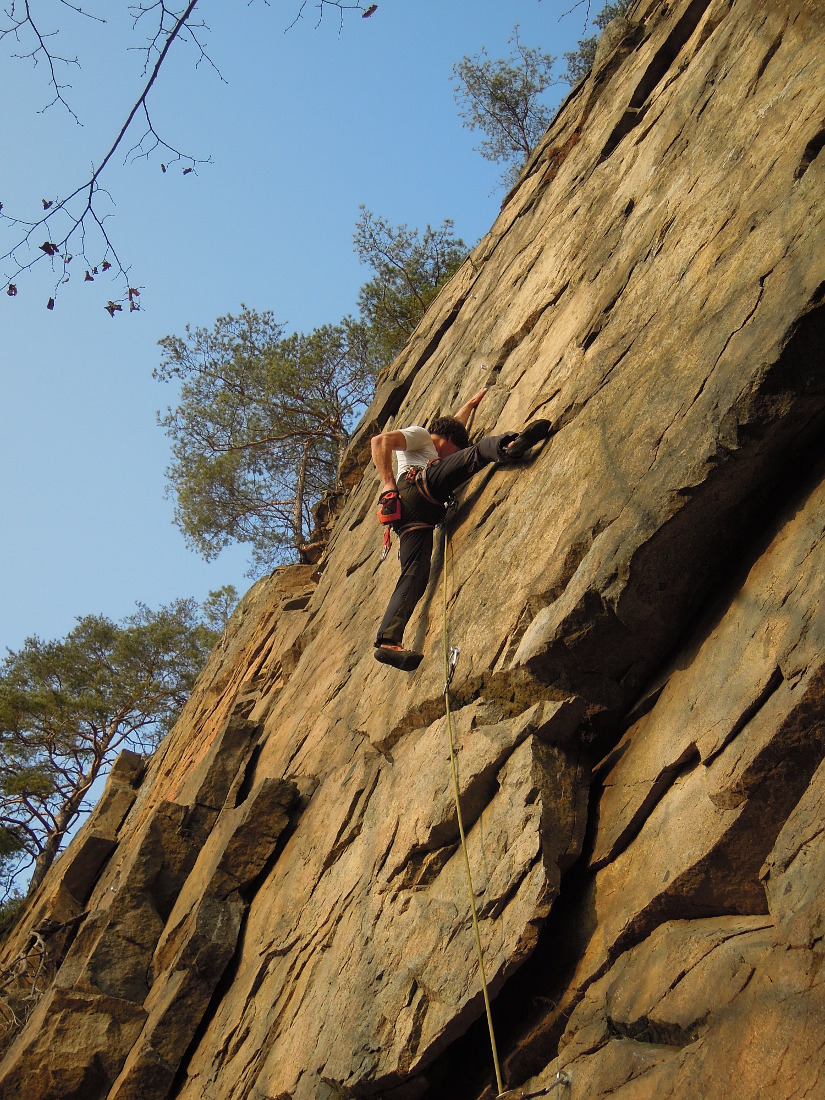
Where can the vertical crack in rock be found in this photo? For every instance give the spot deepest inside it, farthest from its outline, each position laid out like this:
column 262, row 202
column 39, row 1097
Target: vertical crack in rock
column 246, row 846
column 770, row 54
column 657, row 69
column 655, row 791
column 104, row 974
column 141, row 954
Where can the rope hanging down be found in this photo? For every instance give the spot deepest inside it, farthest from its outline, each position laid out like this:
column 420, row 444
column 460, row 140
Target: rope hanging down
column 451, row 655
column 450, row 659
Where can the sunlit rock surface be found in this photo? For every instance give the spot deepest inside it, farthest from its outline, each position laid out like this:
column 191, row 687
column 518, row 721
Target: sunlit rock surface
column 278, row 910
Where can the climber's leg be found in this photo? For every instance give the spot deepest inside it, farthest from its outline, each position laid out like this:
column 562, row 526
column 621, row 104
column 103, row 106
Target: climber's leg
column 415, row 553
column 447, row 474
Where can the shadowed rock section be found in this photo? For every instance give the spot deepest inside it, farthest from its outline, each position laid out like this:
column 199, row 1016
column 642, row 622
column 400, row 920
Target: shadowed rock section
column 277, row 908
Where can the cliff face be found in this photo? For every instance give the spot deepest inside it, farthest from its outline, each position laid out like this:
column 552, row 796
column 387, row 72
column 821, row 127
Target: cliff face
column 278, row 908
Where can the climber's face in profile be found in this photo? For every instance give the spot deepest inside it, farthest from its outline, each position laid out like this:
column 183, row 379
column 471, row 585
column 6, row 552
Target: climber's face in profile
column 443, row 446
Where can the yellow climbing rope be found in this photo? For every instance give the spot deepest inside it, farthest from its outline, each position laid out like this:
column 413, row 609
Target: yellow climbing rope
column 450, row 658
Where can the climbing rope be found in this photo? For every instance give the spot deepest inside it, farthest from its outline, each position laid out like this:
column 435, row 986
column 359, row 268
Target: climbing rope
column 451, row 655
column 450, row 659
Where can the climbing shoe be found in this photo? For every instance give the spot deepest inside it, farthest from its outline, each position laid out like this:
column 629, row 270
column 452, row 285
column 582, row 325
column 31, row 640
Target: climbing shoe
column 404, row 659
column 518, row 446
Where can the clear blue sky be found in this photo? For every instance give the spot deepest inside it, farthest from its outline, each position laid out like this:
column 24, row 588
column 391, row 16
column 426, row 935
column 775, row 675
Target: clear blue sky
column 301, row 128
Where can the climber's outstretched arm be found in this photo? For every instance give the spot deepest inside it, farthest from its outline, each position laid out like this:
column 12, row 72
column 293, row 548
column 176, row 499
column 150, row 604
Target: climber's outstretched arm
column 465, row 411
column 382, row 447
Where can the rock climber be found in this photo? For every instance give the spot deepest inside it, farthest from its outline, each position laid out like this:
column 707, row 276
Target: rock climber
column 432, row 463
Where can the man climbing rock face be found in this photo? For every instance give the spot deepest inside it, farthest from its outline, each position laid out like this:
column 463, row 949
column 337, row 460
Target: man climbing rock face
column 432, row 463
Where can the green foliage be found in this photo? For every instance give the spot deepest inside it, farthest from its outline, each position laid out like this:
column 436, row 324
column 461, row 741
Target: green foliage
column 10, row 842
column 260, row 427
column 409, row 268
column 218, row 606
column 580, row 61
column 34, row 781
column 501, row 98
column 67, row 707
column 263, row 418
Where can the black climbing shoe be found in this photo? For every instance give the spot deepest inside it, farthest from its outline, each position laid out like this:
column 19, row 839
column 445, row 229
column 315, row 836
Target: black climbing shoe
column 532, row 434
column 404, row 659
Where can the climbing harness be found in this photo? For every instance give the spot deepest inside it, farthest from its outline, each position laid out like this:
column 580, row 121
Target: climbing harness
column 451, row 655
column 399, row 530
column 426, row 512
column 417, row 475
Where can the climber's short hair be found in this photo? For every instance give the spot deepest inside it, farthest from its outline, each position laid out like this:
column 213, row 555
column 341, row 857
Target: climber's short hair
column 451, row 429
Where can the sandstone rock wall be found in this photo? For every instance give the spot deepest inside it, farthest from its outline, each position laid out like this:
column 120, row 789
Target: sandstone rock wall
column 279, row 910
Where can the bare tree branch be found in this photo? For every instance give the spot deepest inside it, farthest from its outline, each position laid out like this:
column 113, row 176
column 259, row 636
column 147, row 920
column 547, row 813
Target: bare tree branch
column 77, row 221
column 73, row 218
column 577, row 5
column 322, row 5
column 39, row 52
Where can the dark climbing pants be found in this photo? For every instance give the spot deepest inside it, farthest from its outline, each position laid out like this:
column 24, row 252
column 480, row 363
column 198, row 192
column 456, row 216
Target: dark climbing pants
column 444, row 476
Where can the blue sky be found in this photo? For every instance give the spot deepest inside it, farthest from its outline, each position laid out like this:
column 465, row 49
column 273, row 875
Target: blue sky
column 301, row 126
